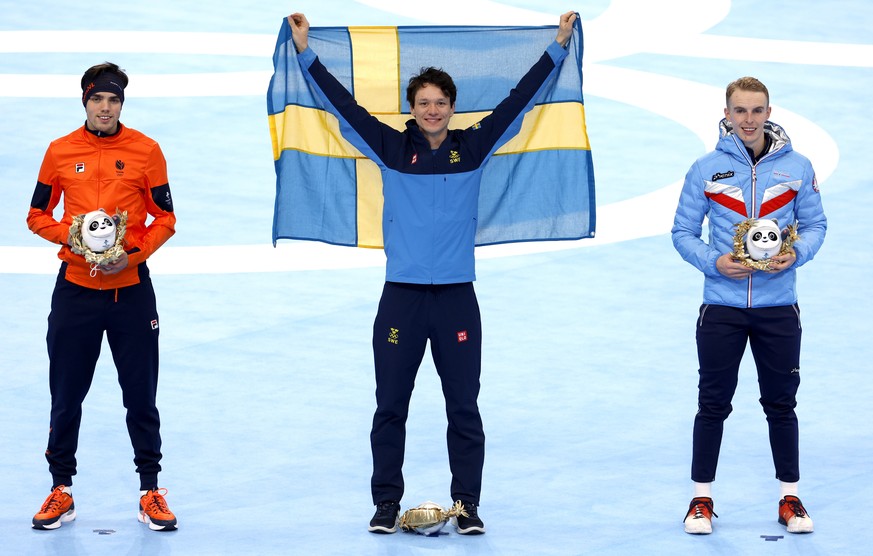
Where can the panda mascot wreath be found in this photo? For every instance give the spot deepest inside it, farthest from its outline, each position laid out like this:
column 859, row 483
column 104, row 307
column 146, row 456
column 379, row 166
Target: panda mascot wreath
column 762, row 238
column 98, row 237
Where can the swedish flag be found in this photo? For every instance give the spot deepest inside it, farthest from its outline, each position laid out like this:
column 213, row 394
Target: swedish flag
column 537, row 186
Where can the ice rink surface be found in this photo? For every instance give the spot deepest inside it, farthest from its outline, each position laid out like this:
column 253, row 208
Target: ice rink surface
column 589, row 366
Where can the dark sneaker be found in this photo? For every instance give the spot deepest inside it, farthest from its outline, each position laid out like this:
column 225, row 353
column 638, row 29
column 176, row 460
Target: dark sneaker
column 386, row 517
column 153, row 510
column 468, row 522
column 58, row 508
column 793, row 515
column 698, row 520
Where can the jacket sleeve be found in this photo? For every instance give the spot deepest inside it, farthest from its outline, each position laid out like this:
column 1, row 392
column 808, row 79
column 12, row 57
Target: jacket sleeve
column 811, row 221
column 358, row 127
column 159, row 205
column 688, row 225
column 46, row 196
column 505, row 120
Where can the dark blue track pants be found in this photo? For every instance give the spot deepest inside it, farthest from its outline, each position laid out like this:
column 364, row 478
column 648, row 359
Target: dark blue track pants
column 409, row 315
column 78, row 319
column 773, row 333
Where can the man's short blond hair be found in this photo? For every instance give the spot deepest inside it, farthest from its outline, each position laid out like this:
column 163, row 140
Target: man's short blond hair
column 746, row 84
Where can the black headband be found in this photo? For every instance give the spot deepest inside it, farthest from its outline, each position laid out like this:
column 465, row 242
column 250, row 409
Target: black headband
column 106, row 82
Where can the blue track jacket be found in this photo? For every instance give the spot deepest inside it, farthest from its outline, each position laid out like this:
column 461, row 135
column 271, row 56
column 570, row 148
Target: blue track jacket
column 431, row 198
column 727, row 188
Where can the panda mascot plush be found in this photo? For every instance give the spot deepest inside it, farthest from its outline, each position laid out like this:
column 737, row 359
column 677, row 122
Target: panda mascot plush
column 98, row 231
column 98, row 237
column 763, row 240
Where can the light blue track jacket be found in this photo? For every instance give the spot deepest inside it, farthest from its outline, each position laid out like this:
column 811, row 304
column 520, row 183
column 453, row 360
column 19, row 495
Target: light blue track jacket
column 725, row 187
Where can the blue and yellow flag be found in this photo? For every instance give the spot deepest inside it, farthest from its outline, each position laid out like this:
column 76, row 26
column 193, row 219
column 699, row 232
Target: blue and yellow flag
column 538, row 186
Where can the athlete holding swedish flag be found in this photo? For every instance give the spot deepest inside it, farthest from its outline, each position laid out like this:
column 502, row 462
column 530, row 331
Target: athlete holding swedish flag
column 431, row 176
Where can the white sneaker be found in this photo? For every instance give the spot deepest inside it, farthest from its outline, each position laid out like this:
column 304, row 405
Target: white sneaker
column 698, row 520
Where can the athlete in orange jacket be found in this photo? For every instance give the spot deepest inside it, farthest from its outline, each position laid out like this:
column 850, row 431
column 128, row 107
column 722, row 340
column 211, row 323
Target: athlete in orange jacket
column 104, row 165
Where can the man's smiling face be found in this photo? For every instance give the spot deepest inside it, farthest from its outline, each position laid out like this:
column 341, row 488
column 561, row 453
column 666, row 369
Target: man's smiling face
column 747, row 111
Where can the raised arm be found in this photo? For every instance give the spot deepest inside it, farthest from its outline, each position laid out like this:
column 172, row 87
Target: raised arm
column 505, row 120
column 357, row 125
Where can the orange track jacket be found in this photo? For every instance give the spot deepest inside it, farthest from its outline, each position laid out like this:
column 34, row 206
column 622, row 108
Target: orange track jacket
column 125, row 171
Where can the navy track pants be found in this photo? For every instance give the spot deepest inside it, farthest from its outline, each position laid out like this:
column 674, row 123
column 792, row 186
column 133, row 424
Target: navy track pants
column 773, row 333
column 78, row 319
column 409, row 315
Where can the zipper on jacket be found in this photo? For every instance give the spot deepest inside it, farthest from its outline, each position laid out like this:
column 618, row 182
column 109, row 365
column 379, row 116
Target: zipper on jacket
column 752, row 214
column 754, row 208
column 99, row 201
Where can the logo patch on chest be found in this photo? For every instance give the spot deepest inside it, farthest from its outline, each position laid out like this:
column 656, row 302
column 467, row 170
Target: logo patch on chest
column 722, row 175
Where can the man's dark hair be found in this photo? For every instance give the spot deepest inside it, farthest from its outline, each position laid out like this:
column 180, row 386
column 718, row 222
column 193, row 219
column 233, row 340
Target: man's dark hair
column 431, row 76
column 92, row 73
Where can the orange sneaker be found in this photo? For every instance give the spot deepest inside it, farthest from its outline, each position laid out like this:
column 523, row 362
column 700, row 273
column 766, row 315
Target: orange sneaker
column 698, row 520
column 154, row 511
column 793, row 515
column 58, row 508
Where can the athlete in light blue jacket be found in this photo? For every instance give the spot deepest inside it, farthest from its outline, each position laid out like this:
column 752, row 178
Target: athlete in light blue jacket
column 753, row 173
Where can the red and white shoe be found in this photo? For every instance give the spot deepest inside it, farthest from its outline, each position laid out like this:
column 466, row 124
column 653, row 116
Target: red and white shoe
column 698, row 520
column 793, row 515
